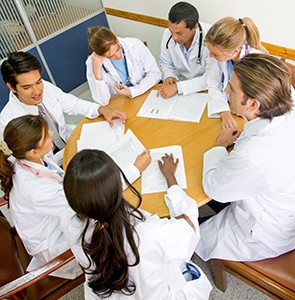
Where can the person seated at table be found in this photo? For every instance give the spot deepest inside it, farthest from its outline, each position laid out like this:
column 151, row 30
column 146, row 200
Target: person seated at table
column 118, row 66
column 255, row 177
column 184, row 58
column 30, row 94
column 228, row 40
column 155, row 251
column 34, row 187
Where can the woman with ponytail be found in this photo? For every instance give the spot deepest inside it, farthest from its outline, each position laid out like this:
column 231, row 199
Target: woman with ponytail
column 228, row 40
column 125, row 252
column 33, row 186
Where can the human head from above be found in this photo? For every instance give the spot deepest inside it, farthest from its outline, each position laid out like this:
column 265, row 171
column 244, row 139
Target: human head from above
column 21, row 72
column 183, row 19
column 26, row 137
column 104, row 42
column 227, row 36
column 93, row 188
column 260, row 86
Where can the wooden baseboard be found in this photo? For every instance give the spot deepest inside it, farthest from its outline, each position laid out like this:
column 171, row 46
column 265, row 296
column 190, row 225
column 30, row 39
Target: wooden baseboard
column 273, row 49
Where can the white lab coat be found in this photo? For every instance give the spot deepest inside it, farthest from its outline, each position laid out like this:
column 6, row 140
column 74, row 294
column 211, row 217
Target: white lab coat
column 164, row 246
column 192, row 76
column 36, row 203
column 56, row 102
column 217, row 97
column 142, row 67
column 258, row 178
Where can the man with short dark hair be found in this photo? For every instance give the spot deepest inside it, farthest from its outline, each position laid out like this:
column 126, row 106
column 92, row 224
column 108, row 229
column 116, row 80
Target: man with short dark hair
column 184, row 58
column 30, row 94
column 257, row 177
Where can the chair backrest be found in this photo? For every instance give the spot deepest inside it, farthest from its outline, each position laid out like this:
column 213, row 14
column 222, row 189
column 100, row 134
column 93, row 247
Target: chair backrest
column 14, row 260
column 10, row 264
column 273, row 276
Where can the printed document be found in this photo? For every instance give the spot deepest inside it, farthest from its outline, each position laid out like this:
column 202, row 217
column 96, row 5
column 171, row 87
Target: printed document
column 125, row 151
column 153, row 180
column 100, row 135
column 187, row 108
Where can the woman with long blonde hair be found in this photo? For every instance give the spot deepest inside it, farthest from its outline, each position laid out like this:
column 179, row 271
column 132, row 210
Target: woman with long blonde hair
column 228, row 40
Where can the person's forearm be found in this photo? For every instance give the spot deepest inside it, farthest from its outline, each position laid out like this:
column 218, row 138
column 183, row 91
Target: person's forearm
column 171, row 180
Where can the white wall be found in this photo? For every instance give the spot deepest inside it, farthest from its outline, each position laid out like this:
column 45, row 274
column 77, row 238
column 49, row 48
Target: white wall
column 275, row 19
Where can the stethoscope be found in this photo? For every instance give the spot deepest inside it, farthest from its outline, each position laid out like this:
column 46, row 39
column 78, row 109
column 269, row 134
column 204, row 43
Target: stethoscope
column 200, row 43
column 116, row 82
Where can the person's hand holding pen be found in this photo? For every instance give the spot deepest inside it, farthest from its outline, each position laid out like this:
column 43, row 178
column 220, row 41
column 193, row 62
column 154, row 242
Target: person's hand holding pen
column 122, row 89
column 168, row 168
column 97, row 65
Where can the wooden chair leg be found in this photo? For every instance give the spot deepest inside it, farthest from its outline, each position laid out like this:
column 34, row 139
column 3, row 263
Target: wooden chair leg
column 219, row 274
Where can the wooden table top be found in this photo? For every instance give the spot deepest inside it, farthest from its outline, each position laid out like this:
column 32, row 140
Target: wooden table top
column 195, row 139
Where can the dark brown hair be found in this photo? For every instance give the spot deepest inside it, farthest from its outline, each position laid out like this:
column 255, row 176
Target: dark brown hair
column 93, row 188
column 21, row 135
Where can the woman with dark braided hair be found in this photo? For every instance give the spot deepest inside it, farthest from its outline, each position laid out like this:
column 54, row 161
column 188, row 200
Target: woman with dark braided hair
column 125, row 252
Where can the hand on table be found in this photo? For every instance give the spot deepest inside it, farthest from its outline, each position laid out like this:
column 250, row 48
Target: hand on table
column 168, row 91
column 228, row 120
column 168, row 168
column 110, row 114
column 143, row 160
column 227, row 136
column 170, row 80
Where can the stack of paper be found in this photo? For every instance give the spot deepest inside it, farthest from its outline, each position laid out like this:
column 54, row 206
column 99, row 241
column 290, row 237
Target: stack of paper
column 124, row 149
column 181, row 108
column 100, row 135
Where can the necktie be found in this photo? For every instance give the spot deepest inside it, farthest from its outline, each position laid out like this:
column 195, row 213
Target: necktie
column 52, row 124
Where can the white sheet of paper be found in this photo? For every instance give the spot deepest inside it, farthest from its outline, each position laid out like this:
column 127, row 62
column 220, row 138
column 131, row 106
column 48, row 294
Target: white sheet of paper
column 125, row 151
column 100, row 135
column 187, row 108
column 156, row 107
column 153, row 180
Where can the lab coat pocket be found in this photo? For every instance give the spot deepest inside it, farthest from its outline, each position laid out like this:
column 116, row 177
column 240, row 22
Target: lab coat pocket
column 243, row 222
column 187, row 282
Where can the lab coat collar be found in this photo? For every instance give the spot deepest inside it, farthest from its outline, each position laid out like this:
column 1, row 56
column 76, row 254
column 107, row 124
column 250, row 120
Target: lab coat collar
column 258, row 125
column 56, row 173
column 178, row 51
column 28, row 109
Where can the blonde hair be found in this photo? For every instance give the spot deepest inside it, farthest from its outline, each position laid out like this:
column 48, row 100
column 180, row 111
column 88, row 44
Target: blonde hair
column 230, row 34
column 100, row 39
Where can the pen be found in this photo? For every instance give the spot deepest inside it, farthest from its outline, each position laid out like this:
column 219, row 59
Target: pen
column 222, row 78
column 116, row 83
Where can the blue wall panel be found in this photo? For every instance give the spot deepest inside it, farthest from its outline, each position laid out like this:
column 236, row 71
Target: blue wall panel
column 66, row 54
column 4, row 91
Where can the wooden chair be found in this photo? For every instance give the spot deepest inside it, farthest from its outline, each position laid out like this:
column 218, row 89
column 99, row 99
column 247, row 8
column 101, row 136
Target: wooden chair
column 274, row 276
column 15, row 284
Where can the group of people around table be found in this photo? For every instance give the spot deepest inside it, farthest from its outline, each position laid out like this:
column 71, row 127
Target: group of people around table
column 124, row 251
